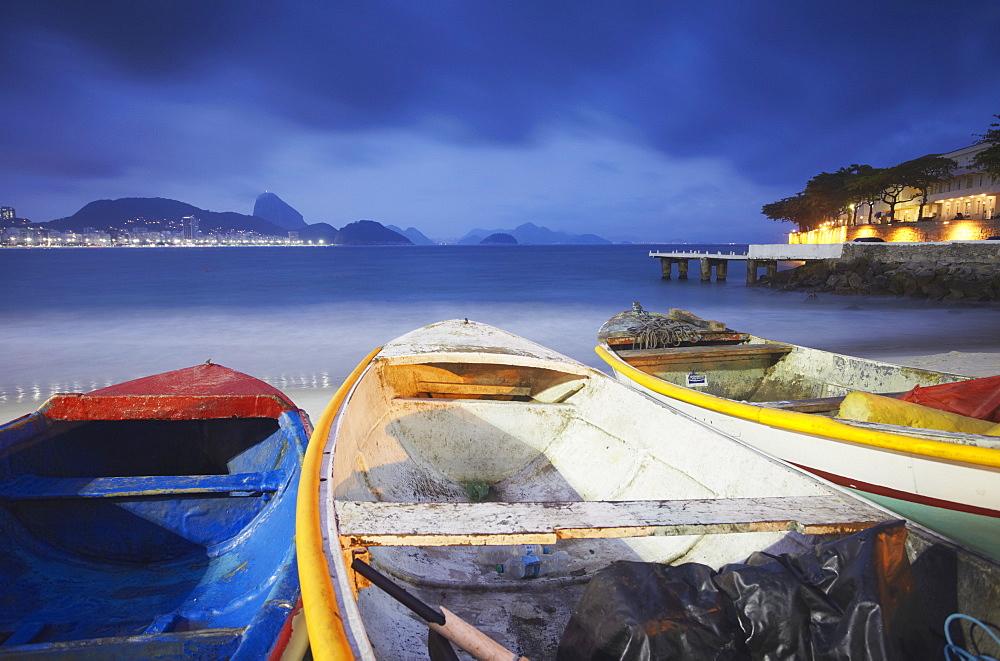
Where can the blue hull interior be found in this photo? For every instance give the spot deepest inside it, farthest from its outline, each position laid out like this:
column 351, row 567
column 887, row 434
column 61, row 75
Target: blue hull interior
column 147, row 538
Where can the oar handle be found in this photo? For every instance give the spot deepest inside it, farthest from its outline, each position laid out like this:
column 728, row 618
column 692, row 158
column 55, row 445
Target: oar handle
column 446, row 623
column 472, row 640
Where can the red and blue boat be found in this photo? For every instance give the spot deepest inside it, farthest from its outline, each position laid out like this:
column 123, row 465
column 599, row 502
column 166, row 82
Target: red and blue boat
column 153, row 519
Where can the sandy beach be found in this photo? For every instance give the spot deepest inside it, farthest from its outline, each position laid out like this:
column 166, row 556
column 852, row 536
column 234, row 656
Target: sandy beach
column 314, row 400
column 956, row 362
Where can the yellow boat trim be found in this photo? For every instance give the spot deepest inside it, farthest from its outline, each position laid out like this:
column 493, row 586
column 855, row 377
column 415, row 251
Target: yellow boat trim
column 806, row 423
column 327, row 637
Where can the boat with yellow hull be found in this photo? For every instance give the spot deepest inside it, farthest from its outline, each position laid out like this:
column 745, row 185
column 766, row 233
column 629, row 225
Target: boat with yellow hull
column 785, row 399
column 460, row 436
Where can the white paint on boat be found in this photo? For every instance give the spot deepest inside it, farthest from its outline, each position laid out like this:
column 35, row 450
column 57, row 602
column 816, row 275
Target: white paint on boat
column 561, row 446
column 938, row 485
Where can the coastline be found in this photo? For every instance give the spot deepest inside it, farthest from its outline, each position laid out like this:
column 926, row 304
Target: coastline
column 314, row 400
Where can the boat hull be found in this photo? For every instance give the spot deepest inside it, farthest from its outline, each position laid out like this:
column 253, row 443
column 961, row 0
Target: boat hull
column 152, row 519
column 935, row 490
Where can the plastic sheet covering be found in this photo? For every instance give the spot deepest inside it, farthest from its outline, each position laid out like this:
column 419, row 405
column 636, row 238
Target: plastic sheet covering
column 978, row 398
column 854, row 598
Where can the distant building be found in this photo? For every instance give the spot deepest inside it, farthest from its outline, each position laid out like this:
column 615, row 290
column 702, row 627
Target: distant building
column 971, row 193
column 190, row 230
column 968, row 195
column 23, row 236
column 7, row 213
column 962, row 208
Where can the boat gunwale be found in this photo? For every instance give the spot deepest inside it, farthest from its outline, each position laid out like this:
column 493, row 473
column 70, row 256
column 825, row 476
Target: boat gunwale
column 324, row 621
column 805, row 422
column 164, row 406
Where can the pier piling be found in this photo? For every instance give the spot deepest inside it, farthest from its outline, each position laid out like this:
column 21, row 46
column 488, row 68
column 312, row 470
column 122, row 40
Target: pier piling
column 706, row 269
column 666, row 267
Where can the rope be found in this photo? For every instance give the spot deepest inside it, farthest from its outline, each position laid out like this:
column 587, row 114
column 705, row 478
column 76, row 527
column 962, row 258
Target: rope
column 959, row 653
column 655, row 332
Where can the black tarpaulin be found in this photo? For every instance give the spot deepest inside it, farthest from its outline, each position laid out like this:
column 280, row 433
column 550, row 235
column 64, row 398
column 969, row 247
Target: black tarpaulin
column 853, row 598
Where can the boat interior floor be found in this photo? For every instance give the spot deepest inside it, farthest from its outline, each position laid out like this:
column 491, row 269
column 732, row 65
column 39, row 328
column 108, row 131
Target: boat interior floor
column 97, row 542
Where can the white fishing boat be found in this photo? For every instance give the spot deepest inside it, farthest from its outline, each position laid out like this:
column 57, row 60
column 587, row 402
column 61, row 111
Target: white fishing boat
column 793, row 403
column 458, row 436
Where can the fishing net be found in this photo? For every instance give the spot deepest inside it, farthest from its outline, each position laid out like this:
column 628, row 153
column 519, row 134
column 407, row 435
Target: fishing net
column 653, row 332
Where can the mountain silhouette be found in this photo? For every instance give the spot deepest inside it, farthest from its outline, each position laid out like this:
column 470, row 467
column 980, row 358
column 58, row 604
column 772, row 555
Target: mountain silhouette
column 156, row 211
column 319, row 232
column 529, row 233
column 369, row 233
column 414, row 235
column 272, row 208
column 499, row 239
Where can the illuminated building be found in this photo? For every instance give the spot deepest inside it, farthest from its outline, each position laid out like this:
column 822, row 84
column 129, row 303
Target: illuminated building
column 190, row 228
column 962, row 208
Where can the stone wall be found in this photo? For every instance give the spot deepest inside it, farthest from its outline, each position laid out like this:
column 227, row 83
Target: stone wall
column 924, row 230
column 937, row 271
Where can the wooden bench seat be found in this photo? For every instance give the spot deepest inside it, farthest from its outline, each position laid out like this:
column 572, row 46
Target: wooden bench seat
column 460, row 524
column 33, row 487
column 712, row 353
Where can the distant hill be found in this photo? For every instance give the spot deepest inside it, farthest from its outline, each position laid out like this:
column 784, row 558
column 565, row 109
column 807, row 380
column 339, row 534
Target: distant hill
column 529, row 233
column 368, row 233
column 158, row 212
column 414, row 235
column 499, row 239
column 319, row 232
column 272, row 208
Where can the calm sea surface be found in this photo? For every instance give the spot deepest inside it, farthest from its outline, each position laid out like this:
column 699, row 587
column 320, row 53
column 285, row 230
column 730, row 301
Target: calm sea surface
column 77, row 319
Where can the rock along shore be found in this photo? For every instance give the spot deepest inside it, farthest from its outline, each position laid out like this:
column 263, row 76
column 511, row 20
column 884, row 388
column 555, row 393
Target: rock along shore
column 949, row 272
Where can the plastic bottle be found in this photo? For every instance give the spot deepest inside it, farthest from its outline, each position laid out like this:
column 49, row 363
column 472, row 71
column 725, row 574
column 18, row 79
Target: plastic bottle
column 532, row 566
column 497, row 555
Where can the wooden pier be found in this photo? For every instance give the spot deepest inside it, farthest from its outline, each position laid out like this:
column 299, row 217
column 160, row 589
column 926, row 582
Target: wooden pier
column 760, row 256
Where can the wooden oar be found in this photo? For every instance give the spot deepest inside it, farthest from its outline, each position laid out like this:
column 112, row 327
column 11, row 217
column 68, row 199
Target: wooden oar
column 438, row 647
column 442, row 621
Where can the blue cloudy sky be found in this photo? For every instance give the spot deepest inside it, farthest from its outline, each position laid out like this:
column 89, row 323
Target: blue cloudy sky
column 650, row 120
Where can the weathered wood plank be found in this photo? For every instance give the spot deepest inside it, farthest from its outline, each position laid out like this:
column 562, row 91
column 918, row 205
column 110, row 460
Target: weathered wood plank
column 471, row 389
column 709, row 352
column 34, row 487
column 463, row 524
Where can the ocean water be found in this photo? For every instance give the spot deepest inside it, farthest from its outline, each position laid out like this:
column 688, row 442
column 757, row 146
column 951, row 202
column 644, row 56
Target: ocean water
column 301, row 318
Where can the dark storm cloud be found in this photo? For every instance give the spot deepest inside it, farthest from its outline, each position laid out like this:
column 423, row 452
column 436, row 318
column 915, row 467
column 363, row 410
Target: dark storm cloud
column 692, row 78
column 779, row 89
column 138, row 36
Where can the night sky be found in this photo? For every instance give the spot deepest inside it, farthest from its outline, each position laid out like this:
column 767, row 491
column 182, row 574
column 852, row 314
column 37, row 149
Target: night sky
column 642, row 120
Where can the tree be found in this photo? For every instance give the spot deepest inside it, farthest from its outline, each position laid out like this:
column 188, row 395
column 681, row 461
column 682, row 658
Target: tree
column 893, row 190
column 867, row 186
column 800, row 210
column 988, row 160
column 835, row 193
column 828, row 192
column 921, row 172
